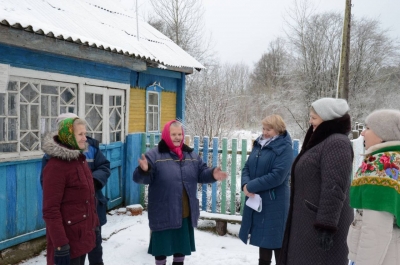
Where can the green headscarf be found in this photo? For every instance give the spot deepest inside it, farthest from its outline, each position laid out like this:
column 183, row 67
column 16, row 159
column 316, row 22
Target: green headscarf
column 66, row 133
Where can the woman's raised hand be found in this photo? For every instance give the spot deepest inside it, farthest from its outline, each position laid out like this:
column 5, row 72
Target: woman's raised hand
column 143, row 163
column 219, row 175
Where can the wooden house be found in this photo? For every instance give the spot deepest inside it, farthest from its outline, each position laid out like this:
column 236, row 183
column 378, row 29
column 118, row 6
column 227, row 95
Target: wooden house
column 92, row 58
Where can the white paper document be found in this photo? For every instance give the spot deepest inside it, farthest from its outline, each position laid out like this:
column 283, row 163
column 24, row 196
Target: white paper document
column 255, row 203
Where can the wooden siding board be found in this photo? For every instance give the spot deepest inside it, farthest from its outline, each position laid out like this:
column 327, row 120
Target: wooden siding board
column 3, row 203
column 163, row 73
column 168, row 107
column 11, row 198
column 137, row 110
column 167, row 83
column 39, row 195
column 133, row 152
column 41, row 61
column 180, row 99
column 21, row 198
column 31, row 197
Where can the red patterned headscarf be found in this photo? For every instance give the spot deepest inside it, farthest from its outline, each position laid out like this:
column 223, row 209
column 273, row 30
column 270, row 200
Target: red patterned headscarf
column 167, row 139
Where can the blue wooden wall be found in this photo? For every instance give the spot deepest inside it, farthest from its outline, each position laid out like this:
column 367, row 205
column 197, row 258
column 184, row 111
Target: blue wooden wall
column 21, row 195
column 20, row 202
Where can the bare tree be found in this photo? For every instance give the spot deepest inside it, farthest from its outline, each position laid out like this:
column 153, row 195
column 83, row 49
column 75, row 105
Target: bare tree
column 182, row 21
column 215, row 99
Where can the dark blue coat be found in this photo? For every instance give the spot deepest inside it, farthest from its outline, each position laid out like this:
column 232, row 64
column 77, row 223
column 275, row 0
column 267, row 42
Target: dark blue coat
column 100, row 167
column 266, row 173
column 167, row 176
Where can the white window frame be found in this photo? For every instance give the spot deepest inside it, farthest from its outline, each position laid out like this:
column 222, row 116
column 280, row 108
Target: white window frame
column 82, row 84
column 153, row 89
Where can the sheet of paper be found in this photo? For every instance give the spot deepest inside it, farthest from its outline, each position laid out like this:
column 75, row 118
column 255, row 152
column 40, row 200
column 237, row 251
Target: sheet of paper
column 255, row 203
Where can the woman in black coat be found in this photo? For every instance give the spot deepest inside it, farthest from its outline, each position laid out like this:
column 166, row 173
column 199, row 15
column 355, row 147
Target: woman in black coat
column 319, row 213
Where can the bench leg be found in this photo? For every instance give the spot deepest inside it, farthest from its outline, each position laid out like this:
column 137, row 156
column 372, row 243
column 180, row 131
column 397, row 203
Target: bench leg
column 221, row 227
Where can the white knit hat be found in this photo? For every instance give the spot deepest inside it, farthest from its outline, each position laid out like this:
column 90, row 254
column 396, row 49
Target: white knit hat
column 385, row 123
column 330, row 108
column 63, row 116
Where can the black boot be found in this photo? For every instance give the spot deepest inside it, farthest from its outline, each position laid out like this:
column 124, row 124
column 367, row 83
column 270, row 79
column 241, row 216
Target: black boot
column 263, row 262
column 177, row 263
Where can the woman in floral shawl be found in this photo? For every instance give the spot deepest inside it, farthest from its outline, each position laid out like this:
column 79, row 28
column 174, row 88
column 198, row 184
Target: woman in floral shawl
column 375, row 192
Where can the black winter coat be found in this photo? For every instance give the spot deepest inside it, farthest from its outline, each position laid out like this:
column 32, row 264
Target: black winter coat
column 320, row 183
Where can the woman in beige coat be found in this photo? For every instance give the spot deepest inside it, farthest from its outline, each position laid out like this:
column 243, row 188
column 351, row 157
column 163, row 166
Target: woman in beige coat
column 374, row 235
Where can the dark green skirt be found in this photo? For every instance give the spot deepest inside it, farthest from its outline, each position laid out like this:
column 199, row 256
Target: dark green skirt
column 172, row 241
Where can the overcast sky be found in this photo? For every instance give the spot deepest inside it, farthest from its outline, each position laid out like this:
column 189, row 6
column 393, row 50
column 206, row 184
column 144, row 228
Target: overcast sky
column 242, row 29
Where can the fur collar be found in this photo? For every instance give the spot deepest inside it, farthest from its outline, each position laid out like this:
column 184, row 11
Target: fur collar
column 163, row 147
column 52, row 147
column 340, row 125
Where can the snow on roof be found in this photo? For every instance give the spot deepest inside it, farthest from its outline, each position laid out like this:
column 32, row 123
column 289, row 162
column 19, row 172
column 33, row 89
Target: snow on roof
column 97, row 23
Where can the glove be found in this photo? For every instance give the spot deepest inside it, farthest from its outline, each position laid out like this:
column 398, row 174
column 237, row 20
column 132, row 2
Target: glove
column 61, row 256
column 325, row 239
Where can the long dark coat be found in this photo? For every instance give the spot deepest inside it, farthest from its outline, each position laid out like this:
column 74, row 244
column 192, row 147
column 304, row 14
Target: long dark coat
column 69, row 207
column 266, row 173
column 320, row 183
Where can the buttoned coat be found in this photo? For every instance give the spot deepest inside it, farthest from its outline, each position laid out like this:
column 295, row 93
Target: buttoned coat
column 320, row 182
column 69, row 207
column 266, row 173
column 167, row 176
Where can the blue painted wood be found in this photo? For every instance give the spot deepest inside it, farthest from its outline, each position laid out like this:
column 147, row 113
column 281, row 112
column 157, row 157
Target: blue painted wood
column 214, row 185
column 21, row 239
column 196, row 144
column 167, row 83
column 296, row 145
column 134, row 79
column 21, row 198
column 11, row 198
column 180, row 99
column 3, row 202
column 204, row 186
column 31, row 197
column 41, row 61
column 115, row 188
column 39, row 193
column 13, row 163
column 163, row 72
column 133, row 152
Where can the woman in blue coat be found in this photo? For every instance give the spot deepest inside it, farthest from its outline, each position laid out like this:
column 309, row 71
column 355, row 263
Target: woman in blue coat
column 172, row 171
column 266, row 173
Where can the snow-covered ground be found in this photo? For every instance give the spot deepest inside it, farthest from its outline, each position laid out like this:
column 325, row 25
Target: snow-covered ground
column 126, row 239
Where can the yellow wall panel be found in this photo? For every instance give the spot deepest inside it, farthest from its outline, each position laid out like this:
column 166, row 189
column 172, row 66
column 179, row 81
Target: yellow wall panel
column 137, row 110
column 168, row 108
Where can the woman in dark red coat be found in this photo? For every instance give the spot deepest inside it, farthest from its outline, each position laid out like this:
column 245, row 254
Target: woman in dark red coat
column 69, row 208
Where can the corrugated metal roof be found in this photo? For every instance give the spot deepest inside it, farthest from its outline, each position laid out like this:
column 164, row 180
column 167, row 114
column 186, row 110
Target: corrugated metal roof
column 97, row 23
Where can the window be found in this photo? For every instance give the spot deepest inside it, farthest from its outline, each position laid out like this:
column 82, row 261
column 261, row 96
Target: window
column 30, row 105
column 104, row 113
column 153, row 108
column 28, row 111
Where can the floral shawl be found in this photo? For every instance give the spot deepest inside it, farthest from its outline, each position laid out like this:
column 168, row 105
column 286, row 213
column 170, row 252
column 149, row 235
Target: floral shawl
column 376, row 184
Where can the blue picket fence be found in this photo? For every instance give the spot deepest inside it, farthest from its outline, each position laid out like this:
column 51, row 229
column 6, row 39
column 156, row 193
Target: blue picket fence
column 21, row 193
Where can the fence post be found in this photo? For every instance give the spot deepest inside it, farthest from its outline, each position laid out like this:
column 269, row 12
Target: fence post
column 204, row 186
column 214, row 185
column 243, row 161
column 223, row 165
column 143, row 150
column 296, row 145
column 233, row 176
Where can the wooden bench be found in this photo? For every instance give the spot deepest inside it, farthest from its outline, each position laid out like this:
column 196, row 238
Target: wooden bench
column 221, row 220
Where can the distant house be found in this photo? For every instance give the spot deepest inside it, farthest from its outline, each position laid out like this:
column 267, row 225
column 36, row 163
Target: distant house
column 92, row 58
